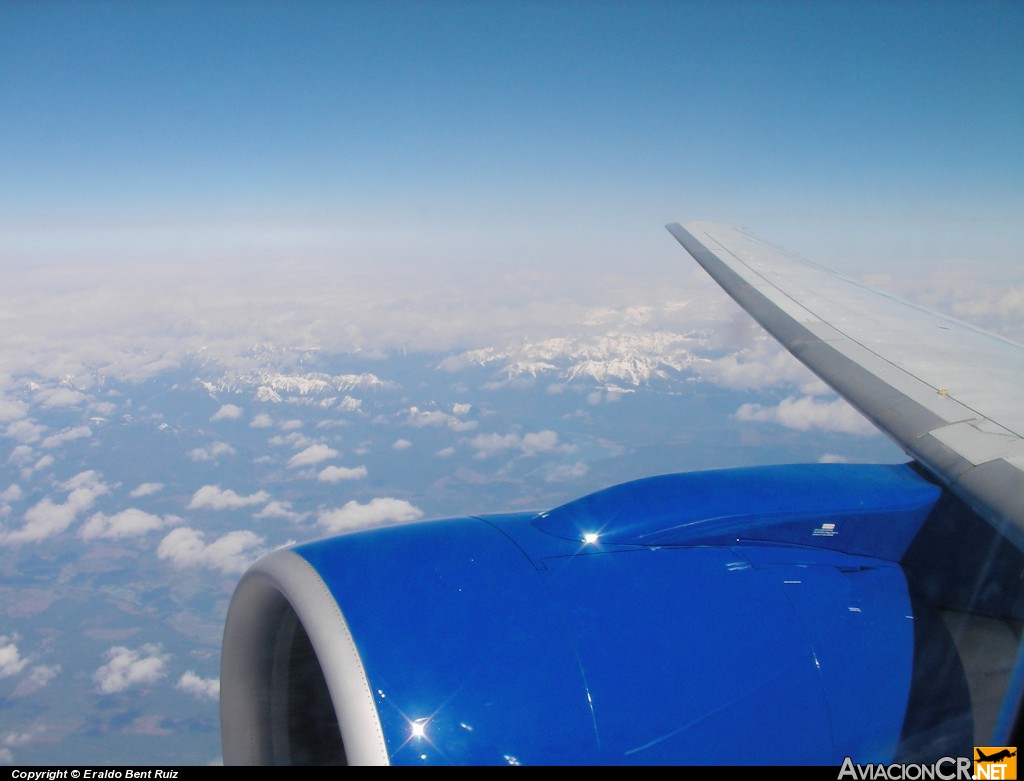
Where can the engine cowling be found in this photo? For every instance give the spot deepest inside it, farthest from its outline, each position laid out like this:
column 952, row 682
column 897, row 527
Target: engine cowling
column 728, row 617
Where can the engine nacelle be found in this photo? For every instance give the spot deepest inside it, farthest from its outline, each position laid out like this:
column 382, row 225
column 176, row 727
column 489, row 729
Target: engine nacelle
column 726, row 617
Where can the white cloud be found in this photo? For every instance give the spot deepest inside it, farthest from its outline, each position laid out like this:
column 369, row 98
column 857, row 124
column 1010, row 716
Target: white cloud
column 420, row 418
column 47, row 518
column 79, row 432
column 211, row 452
column 23, row 454
column 313, row 454
column 217, row 498
column 88, row 479
column 461, row 409
column 44, row 462
column 376, row 512
column 445, row 452
column 487, row 445
column 25, row 430
column 807, row 413
column 128, row 667
column 763, row 365
column 227, row 412
column 40, row 675
column 262, row 420
column 12, row 409
column 146, row 489
column 290, row 425
column 148, row 724
column 203, row 688
column 5, row 506
column 833, row 458
column 539, row 442
column 278, row 510
column 15, row 739
column 20, row 454
column 350, row 404
column 565, row 472
column 59, row 397
column 11, row 662
column 131, row 522
column 296, row 439
column 12, row 494
column 402, row 444
column 334, row 474
column 230, row 553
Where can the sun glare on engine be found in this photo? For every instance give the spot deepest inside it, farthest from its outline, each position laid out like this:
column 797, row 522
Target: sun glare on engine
column 418, row 728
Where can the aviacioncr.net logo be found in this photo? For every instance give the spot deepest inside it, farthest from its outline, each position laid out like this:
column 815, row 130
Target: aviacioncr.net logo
column 998, row 762
column 945, row 769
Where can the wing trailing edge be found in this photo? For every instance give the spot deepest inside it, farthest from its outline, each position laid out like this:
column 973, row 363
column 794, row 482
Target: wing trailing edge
column 947, row 393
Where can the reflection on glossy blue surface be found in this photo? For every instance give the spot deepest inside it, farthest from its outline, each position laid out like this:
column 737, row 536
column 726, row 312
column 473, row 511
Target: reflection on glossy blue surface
column 863, row 509
column 499, row 641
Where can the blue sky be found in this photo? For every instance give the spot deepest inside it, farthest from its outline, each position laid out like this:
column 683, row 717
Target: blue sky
column 509, row 133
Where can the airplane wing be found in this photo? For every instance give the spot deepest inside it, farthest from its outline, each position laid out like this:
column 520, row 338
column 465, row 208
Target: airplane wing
column 949, row 394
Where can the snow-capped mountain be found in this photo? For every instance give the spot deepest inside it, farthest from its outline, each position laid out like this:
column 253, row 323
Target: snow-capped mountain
column 632, row 358
column 311, row 387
